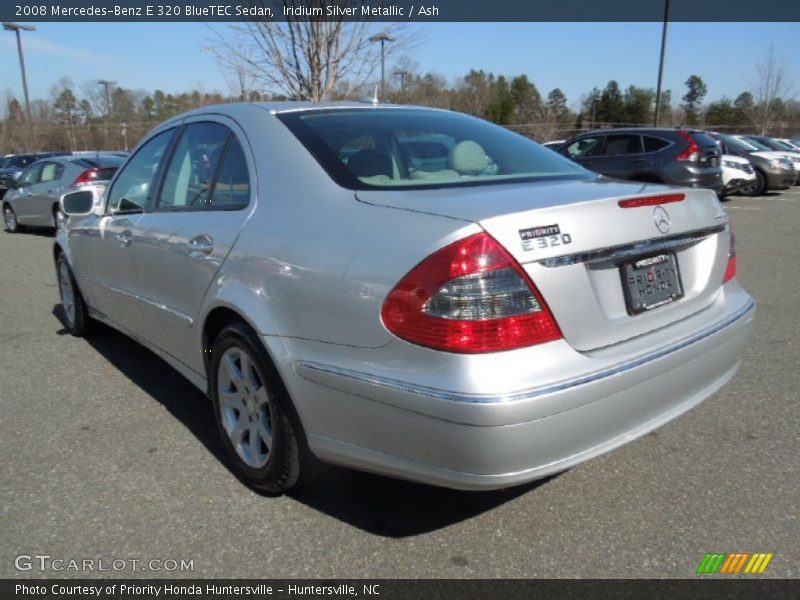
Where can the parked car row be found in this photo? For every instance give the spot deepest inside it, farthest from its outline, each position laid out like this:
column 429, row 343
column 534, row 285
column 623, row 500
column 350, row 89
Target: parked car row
column 33, row 197
column 727, row 164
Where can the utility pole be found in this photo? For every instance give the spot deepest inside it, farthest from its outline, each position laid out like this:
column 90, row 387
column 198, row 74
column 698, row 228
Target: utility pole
column 382, row 38
column 16, row 28
column 661, row 62
column 106, row 84
column 402, row 74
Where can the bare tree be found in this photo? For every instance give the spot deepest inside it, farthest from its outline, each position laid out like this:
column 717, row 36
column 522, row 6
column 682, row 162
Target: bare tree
column 304, row 57
column 772, row 84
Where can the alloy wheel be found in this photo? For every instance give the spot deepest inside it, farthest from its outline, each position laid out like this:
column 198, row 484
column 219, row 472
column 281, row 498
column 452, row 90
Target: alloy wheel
column 245, row 407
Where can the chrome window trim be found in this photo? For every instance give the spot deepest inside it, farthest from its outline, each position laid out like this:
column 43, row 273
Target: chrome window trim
column 306, row 369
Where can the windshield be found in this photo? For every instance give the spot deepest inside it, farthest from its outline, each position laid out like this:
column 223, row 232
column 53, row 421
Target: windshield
column 738, row 144
column 758, row 145
column 785, row 146
column 388, row 148
column 17, row 162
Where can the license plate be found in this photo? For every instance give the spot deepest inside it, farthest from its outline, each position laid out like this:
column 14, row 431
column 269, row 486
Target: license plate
column 651, row 282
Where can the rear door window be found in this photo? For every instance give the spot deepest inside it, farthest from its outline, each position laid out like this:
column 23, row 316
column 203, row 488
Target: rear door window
column 654, row 144
column 625, row 143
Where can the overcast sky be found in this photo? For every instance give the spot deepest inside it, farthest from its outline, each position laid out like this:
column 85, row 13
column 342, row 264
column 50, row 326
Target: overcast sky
column 572, row 56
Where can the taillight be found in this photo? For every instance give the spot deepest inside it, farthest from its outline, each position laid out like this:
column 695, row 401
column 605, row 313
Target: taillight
column 469, row 297
column 692, row 151
column 94, row 175
column 730, row 268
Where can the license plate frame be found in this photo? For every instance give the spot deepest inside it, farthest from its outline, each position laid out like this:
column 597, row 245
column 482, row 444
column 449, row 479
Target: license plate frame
column 651, row 282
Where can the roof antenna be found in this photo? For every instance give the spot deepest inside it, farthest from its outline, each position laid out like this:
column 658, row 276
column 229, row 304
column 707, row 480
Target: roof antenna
column 375, row 97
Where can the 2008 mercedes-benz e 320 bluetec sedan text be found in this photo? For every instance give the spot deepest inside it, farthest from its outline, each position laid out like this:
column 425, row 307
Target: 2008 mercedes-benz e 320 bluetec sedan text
column 408, row 291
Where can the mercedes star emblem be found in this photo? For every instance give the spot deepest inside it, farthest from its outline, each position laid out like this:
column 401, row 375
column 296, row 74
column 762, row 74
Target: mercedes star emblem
column 661, row 219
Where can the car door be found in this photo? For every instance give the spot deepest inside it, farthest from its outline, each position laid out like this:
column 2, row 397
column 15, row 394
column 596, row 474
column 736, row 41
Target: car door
column 44, row 196
column 201, row 206
column 22, row 200
column 105, row 251
column 622, row 156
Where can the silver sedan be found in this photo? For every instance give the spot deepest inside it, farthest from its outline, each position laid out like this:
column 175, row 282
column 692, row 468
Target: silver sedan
column 407, row 291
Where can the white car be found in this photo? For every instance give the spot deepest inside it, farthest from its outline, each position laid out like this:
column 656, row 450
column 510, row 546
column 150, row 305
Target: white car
column 737, row 172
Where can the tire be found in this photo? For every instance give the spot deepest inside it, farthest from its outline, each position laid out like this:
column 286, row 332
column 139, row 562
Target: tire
column 256, row 420
column 76, row 314
column 59, row 218
column 758, row 187
column 10, row 220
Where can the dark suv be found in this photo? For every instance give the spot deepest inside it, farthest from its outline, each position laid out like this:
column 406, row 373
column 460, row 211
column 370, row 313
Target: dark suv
column 675, row 156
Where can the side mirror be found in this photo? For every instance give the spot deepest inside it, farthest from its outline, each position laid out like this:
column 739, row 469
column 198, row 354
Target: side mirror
column 77, row 203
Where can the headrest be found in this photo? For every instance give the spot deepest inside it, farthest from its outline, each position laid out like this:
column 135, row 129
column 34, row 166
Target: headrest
column 468, row 157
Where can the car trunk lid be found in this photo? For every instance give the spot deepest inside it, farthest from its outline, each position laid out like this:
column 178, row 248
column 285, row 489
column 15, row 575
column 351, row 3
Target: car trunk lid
column 581, row 248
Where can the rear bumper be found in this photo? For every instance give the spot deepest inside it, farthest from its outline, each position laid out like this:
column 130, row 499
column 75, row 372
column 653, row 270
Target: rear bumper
column 411, row 430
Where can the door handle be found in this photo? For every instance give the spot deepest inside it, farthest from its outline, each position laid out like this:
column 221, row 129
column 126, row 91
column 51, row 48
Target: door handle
column 200, row 245
column 125, row 238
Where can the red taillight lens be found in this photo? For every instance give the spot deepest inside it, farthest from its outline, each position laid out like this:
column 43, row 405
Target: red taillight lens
column 469, row 297
column 94, row 175
column 730, row 269
column 692, row 151
column 651, row 200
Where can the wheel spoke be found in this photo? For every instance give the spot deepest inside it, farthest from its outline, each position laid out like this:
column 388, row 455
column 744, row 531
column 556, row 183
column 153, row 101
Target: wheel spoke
column 249, row 372
column 262, row 398
column 255, row 444
column 231, row 371
column 266, row 435
column 232, row 399
column 237, row 433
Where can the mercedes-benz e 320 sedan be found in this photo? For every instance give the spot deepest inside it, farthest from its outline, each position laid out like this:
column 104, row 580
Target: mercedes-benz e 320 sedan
column 408, row 291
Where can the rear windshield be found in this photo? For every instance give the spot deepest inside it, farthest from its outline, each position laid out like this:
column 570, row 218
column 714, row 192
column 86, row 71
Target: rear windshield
column 703, row 139
column 99, row 161
column 389, row 148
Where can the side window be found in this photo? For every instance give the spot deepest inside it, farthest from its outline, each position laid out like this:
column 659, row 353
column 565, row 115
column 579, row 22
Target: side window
column 622, row 144
column 190, row 176
column 232, row 188
column 588, row 146
column 30, row 176
column 652, row 144
column 51, row 171
column 135, row 181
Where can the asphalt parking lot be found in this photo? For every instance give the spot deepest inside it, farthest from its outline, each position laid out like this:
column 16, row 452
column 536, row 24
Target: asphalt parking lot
column 107, row 453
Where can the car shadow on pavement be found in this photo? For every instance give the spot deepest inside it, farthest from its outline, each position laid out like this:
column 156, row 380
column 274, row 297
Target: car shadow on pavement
column 375, row 504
